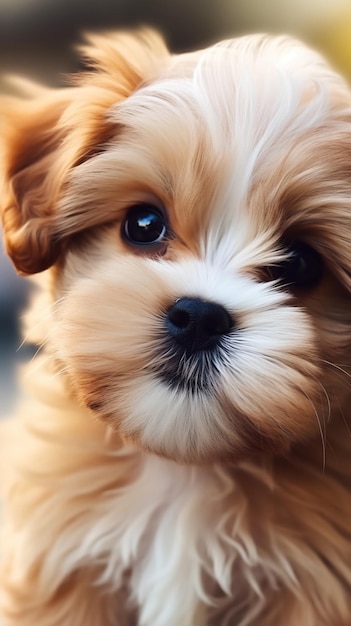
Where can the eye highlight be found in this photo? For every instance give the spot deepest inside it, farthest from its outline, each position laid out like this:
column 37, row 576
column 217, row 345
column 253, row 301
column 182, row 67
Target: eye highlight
column 302, row 269
column 144, row 225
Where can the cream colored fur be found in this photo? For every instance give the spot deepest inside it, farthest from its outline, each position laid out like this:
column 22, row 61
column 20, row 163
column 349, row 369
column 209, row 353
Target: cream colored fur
column 126, row 501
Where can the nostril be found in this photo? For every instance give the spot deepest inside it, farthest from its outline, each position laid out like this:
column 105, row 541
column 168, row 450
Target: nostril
column 216, row 322
column 197, row 324
column 179, row 317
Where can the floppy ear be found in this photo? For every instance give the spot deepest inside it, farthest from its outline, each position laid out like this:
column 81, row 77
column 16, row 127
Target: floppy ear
column 31, row 136
column 50, row 131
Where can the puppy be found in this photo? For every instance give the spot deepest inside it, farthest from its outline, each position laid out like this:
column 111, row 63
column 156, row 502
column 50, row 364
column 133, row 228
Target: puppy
column 182, row 456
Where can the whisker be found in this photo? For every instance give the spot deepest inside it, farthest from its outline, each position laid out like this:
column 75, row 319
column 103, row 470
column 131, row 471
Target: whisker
column 45, row 315
column 327, row 399
column 347, row 427
column 39, row 348
column 36, row 365
column 322, row 432
column 337, row 367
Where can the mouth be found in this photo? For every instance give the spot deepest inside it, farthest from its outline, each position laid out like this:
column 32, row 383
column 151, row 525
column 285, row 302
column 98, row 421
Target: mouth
column 194, row 373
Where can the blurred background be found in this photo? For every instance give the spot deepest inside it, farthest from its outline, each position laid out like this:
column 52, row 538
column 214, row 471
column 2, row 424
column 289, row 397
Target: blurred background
column 37, row 40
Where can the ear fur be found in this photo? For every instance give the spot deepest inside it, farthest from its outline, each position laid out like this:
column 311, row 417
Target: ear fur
column 47, row 133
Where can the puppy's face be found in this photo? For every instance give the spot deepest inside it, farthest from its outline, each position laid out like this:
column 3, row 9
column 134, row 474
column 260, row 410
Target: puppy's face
column 197, row 213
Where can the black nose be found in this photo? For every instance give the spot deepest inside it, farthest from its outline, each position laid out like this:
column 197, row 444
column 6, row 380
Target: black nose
column 197, row 324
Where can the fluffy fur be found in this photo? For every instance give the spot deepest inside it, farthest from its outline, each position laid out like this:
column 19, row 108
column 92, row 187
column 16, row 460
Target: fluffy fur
column 226, row 501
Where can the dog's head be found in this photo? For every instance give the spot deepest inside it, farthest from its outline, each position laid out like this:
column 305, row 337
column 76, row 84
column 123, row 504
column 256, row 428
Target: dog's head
column 196, row 210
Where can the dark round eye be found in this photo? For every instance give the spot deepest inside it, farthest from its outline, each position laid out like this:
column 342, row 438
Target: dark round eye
column 144, row 225
column 303, row 267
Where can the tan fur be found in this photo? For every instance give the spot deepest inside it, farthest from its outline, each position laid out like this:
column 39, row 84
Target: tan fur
column 43, row 142
column 127, row 502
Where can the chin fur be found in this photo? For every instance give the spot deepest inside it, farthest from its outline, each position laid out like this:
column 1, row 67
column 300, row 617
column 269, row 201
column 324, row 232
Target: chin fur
column 147, row 481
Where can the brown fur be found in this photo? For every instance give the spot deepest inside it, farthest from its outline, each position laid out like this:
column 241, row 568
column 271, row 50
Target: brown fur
column 127, row 502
